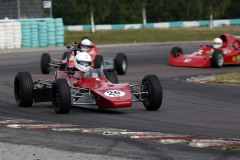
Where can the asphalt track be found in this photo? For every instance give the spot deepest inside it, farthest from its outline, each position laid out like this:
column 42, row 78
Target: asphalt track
column 209, row 110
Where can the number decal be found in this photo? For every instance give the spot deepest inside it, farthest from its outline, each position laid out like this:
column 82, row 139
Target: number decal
column 114, row 93
column 187, row 60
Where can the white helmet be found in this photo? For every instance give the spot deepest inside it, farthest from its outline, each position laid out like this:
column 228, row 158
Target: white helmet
column 86, row 44
column 83, row 61
column 217, row 42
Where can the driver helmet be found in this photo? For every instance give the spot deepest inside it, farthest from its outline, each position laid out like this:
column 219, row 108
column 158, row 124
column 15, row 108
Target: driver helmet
column 86, row 44
column 83, row 62
column 217, row 43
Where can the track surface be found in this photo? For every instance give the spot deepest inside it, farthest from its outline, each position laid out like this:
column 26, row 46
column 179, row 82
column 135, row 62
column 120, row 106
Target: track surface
column 209, row 110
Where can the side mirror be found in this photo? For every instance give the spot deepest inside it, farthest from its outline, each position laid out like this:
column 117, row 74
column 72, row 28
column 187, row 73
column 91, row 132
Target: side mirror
column 68, row 47
column 201, row 45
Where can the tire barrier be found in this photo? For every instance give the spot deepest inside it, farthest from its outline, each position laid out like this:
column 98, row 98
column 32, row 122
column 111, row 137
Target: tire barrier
column 26, row 34
column 42, row 34
column 51, row 33
column 59, row 32
column 17, row 27
column 31, row 33
column 9, row 35
column 34, row 34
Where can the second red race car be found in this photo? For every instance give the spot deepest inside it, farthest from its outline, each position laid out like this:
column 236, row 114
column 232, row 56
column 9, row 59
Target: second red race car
column 209, row 56
column 119, row 63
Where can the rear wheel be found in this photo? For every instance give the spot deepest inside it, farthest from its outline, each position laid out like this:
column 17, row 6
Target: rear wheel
column 120, row 63
column 111, row 75
column 217, row 59
column 98, row 62
column 23, row 89
column 61, row 96
column 45, row 60
column 151, row 92
column 176, row 51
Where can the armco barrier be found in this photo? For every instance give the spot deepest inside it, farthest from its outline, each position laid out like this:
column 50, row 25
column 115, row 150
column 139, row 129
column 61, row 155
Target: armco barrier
column 178, row 24
column 26, row 33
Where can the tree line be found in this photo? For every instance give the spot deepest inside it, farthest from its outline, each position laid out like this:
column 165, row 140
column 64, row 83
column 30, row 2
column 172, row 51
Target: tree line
column 78, row 12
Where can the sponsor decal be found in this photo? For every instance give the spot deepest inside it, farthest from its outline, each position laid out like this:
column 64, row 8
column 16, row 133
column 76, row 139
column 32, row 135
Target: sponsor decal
column 238, row 58
column 234, row 59
column 200, row 52
column 114, row 93
column 226, row 51
column 187, row 60
column 208, row 52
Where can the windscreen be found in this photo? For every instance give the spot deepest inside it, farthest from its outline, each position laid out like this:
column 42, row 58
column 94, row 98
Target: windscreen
column 94, row 73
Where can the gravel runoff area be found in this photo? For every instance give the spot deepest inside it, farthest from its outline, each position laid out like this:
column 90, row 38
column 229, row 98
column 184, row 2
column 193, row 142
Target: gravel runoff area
column 201, row 78
column 29, row 152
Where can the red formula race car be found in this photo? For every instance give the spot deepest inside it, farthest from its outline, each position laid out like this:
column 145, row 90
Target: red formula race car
column 91, row 89
column 119, row 63
column 207, row 56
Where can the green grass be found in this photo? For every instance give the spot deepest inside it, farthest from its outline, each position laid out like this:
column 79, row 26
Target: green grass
column 228, row 78
column 149, row 35
column 231, row 148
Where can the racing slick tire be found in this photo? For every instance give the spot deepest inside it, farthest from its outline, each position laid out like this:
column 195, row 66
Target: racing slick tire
column 45, row 60
column 98, row 62
column 111, row 75
column 64, row 56
column 151, row 92
column 176, row 51
column 120, row 63
column 217, row 59
column 23, row 89
column 61, row 96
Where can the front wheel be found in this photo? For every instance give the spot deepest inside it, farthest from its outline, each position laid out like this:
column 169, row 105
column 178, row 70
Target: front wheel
column 217, row 59
column 45, row 60
column 98, row 62
column 151, row 92
column 176, row 51
column 23, row 89
column 61, row 96
column 120, row 63
column 111, row 75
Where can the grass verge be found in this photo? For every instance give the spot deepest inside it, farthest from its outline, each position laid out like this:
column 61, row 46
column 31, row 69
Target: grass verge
column 149, row 35
column 228, row 78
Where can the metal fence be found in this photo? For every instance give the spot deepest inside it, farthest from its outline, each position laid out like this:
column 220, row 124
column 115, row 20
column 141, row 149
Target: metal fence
column 22, row 9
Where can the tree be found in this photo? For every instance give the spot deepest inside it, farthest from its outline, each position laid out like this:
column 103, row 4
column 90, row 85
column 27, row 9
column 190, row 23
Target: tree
column 76, row 12
column 73, row 12
column 124, row 11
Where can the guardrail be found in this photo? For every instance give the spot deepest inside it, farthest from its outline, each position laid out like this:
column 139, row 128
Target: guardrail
column 178, row 24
